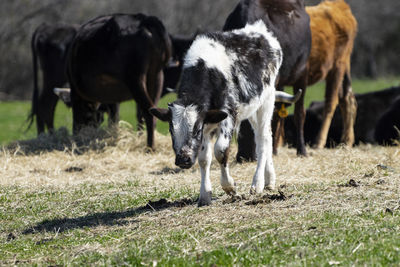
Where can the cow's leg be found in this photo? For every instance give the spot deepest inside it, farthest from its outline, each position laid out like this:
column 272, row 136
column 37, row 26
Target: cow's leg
column 84, row 113
column 333, row 83
column 154, row 92
column 139, row 117
column 278, row 132
column 265, row 172
column 277, row 125
column 113, row 114
column 150, row 126
column 205, row 157
column 141, row 95
column 300, row 116
column 246, row 144
column 348, row 108
column 221, row 151
column 45, row 109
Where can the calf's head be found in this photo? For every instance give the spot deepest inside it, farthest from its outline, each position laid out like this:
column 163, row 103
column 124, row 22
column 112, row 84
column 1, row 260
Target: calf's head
column 186, row 127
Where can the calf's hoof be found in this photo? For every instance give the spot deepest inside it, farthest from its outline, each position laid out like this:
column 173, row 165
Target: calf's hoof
column 255, row 191
column 205, row 200
column 230, row 191
column 269, row 187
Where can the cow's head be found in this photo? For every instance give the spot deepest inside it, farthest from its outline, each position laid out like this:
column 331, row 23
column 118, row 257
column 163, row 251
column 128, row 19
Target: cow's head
column 186, row 127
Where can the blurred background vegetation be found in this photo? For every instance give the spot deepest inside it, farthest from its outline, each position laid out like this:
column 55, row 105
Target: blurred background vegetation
column 376, row 52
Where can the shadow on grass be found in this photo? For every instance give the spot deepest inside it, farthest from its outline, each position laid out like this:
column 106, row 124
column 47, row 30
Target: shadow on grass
column 106, row 218
column 61, row 140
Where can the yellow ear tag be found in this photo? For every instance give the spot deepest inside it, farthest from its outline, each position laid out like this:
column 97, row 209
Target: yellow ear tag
column 283, row 113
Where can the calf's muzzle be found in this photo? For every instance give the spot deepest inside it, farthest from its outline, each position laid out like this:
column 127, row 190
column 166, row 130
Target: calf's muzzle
column 184, row 158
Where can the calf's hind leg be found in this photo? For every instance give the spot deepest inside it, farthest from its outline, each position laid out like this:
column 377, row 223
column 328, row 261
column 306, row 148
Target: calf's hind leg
column 265, row 172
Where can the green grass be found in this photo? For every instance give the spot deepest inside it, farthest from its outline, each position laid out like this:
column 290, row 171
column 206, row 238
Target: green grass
column 13, row 114
column 98, row 225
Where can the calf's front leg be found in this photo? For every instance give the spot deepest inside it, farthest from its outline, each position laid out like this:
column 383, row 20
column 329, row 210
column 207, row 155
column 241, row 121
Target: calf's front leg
column 221, row 151
column 205, row 157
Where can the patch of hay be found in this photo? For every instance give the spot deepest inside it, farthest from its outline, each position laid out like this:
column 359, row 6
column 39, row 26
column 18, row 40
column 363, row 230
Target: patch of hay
column 118, row 155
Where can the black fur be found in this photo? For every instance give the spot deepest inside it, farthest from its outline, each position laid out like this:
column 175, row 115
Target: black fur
column 116, row 58
column 49, row 45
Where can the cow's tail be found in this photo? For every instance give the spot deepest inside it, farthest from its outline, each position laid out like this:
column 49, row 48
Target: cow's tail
column 155, row 24
column 35, row 96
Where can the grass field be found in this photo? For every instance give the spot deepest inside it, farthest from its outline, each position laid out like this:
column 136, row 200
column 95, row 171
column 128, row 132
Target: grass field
column 13, row 114
column 101, row 199
column 110, row 203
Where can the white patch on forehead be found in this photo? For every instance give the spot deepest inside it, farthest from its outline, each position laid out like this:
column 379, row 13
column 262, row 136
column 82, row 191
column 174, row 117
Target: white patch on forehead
column 212, row 53
column 183, row 120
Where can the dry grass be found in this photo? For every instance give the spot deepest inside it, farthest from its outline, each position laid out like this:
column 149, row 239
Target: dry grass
column 341, row 181
column 118, row 155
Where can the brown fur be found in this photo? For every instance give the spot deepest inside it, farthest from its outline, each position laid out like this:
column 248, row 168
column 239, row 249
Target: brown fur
column 333, row 30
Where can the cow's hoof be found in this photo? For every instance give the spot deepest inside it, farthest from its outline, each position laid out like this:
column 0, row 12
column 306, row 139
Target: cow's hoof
column 302, row 153
column 149, row 150
column 205, row 200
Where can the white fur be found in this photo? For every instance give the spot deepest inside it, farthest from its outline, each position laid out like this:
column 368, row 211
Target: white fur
column 247, row 110
column 213, row 53
column 183, row 120
column 259, row 27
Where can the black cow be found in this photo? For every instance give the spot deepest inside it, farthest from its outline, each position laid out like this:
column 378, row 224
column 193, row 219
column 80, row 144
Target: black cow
column 387, row 129
column 290, row 23
column 49, row 46
column 115, row 58
column 378, row 113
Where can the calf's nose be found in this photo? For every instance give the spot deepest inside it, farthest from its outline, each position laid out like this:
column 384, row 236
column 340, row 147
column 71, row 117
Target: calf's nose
column 183, row 162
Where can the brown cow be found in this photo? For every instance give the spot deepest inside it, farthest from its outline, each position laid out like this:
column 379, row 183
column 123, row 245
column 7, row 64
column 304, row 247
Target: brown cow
column 333, row 30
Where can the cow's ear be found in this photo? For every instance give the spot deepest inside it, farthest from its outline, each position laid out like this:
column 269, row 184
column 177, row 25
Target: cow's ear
column 215, row 116
column 161, row 113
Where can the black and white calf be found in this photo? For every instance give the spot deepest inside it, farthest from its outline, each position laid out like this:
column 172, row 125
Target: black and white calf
column 227, row 77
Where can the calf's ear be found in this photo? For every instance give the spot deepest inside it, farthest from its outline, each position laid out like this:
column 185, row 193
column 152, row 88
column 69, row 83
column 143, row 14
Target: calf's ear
column 161, row 113
column 215, row 116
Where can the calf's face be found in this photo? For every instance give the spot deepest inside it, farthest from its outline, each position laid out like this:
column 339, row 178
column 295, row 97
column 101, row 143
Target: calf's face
column 186, row 127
